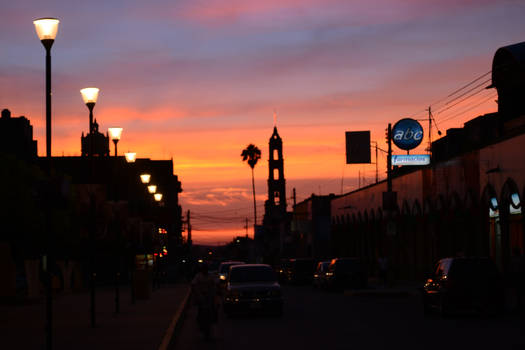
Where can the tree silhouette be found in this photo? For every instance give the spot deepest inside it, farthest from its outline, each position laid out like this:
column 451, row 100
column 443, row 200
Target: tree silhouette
column 252, row 154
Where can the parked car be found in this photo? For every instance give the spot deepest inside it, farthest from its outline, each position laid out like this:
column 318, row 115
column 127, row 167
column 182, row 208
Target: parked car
column 319, row 280
column 464, row 284
column 224, row 270
column 346, row 273
column 252, row 288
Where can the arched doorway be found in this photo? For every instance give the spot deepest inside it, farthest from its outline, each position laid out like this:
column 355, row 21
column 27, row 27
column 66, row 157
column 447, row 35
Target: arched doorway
column 511, row 221
column 491, row 207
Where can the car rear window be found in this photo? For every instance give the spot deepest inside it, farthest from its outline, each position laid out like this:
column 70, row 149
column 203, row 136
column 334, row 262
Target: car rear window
column 225, row 266
column 252, row 274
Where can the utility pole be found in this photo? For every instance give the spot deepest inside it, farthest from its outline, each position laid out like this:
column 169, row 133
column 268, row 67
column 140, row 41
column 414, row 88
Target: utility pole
column 294, row 198
column 389, row 158
column 246, row 227
column 377, row 175
column 188, row 223
column 430, row 130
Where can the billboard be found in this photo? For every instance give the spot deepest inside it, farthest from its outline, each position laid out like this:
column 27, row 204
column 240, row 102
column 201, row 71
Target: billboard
column 358, row 147
column 411, row 159
column 407, row 134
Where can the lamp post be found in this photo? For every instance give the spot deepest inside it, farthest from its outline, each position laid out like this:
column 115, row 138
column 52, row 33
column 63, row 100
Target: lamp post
column 46, row 29
column 114, row 134
column 90, row 96
column 158, row 197
column 152, row 189
column 130, row 158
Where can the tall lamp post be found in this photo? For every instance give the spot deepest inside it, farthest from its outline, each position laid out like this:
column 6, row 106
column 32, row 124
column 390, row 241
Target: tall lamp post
column 130, row 158
column 90, row 96
column 46, row 29
column 114, row 134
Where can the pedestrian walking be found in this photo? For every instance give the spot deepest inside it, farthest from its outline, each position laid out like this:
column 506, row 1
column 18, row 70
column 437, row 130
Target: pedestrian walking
column 204, row 296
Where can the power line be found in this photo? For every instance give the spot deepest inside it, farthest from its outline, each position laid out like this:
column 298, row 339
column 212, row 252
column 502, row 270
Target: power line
column 461, row 100
column 469, row 109
column 445, row 98
column 463, row 94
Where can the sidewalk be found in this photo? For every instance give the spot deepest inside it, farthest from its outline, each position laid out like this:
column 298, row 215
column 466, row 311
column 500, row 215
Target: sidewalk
column 144, row 325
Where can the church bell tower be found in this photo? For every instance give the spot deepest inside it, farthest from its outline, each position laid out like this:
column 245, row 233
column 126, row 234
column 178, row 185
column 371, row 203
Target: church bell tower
column 276, row 181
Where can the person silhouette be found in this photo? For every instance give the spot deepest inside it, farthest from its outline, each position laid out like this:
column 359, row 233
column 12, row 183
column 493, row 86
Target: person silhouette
column 203, row 293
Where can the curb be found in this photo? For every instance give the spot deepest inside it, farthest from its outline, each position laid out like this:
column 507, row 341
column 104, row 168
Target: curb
column 174, row 322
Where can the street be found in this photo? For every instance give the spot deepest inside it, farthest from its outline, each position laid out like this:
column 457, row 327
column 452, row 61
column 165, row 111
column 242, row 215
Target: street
column 316, row 319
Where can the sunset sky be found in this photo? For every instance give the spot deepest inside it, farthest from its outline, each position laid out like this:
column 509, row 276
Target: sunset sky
column 198, row 80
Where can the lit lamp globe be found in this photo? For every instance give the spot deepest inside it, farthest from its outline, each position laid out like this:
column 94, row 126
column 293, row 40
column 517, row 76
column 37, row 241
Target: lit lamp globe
column 130, row 157
column 158, row 197
column 145, row 178
column 152, row 189
column 90, row 96
column 46, row 29
column 115, row 134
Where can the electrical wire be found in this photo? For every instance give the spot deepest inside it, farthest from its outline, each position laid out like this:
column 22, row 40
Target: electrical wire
column 469, row 109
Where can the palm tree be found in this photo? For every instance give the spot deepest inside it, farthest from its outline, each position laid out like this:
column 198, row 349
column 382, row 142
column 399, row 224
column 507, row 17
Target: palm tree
column 252, row 154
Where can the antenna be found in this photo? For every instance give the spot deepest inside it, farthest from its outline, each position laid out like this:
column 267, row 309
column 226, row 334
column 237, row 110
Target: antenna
column 274, row 117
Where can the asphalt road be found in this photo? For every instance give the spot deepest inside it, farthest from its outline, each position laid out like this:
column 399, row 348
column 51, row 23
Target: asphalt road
column 321, row 320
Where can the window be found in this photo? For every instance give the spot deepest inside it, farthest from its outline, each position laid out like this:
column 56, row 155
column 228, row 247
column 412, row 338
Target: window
column 276, row 154
column 277, row 199
column 276, row 174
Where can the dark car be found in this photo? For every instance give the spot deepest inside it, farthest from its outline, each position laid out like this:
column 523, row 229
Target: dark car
column 346, row 273
column 252, row 287
column 319, row 280
column 464, row 284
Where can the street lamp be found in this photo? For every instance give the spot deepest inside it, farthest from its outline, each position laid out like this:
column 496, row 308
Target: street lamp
column 114, row 134
column 145, row 178
column 46, row 29
column 152, row 189
column 90, row 96
column 130, row 157
column 158, row 197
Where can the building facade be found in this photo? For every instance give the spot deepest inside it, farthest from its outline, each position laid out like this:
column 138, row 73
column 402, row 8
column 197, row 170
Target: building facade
column 467, row 202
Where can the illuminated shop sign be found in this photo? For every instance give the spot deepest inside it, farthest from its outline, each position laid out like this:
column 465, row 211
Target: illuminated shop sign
column 407, row 134
column 411, row 159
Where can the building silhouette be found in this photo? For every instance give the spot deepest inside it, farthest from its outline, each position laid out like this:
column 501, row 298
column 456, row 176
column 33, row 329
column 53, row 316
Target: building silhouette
column 276, row 220
column 100, row 142
column 16, row 137
column 101, row 197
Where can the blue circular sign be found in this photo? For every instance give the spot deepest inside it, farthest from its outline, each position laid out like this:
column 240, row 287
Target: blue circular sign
column 407, row 134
